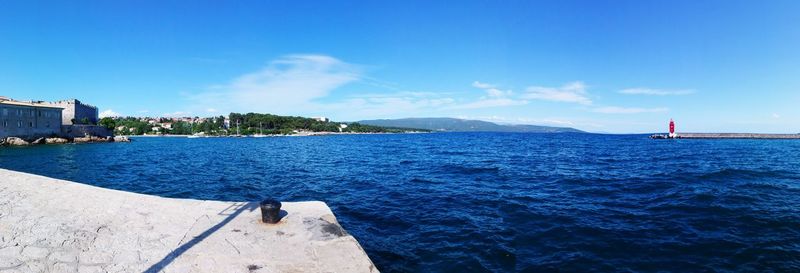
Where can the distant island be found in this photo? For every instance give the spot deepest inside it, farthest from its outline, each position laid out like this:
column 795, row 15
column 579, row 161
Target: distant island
column 240, row 124
column 464, row 125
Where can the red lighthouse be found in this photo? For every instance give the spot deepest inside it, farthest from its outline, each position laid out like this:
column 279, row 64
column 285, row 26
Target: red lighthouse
column 671, row 128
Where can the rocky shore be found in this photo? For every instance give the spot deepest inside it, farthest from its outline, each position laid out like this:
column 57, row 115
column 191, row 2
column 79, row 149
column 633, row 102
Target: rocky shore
column 17, row 141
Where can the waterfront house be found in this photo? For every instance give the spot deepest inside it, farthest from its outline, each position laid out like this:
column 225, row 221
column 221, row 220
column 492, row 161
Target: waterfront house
column 28, row 119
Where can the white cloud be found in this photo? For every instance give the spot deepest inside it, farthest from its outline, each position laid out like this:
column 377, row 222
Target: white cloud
column 574, row 92
column 494, row 98
column 655, row 92
column 628, row 110
column 285, row 86
column 497, row 93
column 109, row 113
column 491, row 90
column 212, row 110
column 481, row 85
column 776, row 115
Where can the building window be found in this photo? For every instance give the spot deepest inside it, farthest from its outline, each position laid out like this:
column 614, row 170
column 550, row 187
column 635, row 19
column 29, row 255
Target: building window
column 19, row 124
column 5, row 123
column 30, row 124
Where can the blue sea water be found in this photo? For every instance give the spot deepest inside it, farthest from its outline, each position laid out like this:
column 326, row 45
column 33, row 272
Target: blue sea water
column 489, row 202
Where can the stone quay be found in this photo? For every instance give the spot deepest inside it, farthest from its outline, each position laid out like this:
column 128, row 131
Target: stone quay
column 51, row 225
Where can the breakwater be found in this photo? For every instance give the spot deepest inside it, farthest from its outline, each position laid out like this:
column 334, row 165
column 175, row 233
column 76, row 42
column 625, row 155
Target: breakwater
column 727, row 136
column 51, row 225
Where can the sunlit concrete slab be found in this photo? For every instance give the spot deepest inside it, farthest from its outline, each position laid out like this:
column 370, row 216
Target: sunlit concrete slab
column 51, row 225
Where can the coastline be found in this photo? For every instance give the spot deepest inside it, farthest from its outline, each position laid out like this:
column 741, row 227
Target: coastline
column 292, row 135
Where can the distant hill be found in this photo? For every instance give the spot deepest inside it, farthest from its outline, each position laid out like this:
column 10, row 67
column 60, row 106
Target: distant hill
column 463, row 125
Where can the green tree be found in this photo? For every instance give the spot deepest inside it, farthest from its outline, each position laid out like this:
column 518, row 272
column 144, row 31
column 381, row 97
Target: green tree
column 109, row 123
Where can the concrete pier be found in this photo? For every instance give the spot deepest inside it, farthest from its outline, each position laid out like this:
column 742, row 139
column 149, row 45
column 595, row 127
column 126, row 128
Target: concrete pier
column 728, row 136
column 51, row 225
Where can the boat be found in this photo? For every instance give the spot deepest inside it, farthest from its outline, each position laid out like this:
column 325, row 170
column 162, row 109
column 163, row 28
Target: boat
column 261, row 131
column 193, row 135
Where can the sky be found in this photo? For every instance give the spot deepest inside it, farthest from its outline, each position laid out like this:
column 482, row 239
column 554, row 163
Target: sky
column 599, row 66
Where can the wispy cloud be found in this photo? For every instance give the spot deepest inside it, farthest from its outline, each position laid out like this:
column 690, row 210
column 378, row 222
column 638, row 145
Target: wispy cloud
column 494, row 98
column 481, row 85
column 491, row 90
column 574, row 92
column 656, row 92
column 304, row 85
column 285, row 86
column 109, row 113
column 628, row 110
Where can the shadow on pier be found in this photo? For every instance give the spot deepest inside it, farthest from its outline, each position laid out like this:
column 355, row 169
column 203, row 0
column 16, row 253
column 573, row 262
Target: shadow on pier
column 232, row 211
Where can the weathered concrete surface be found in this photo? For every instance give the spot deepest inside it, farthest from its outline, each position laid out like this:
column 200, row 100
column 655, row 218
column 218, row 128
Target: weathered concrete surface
column 50, row 225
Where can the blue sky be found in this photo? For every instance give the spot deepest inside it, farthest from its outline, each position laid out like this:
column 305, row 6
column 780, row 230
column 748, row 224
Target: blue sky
column 601, row 66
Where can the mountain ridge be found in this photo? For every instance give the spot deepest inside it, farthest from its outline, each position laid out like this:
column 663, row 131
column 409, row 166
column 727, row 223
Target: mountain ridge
column 465, row 125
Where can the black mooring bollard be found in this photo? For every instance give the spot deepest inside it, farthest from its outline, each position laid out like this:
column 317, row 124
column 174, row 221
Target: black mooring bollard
column 270, row 211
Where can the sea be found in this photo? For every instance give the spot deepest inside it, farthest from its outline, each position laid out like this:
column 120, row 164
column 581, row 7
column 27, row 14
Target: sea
column 488, row 202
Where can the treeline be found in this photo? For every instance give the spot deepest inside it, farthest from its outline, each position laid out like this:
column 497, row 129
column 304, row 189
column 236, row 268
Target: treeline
column 244, row 124
column 136, row 126
column 254, row 123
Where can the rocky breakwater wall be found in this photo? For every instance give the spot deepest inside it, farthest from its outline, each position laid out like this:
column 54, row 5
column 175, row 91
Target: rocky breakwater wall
column 18, row 141
column 726, row 136
column 50, row 225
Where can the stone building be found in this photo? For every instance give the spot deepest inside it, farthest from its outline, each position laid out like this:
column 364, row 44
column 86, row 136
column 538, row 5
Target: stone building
column 75, row 112
column 29, row 119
